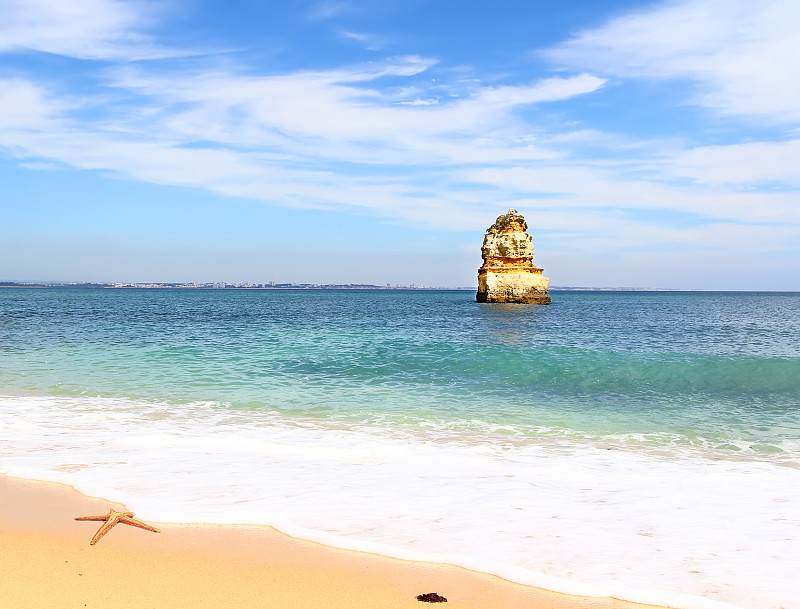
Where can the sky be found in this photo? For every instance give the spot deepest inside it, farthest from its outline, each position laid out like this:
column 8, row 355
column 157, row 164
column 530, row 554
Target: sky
column 648, row 144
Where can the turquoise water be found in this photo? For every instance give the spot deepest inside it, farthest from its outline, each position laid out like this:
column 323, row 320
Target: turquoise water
column 660, row 430
column 712, row 369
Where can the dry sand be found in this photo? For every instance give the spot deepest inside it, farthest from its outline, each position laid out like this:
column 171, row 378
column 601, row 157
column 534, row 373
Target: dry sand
column 46, row 562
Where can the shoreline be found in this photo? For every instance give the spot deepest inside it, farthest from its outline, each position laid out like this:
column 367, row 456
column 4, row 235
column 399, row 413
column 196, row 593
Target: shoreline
column 49, row 563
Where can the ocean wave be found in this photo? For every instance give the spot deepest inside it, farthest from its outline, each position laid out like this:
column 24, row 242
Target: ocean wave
column 538, row 511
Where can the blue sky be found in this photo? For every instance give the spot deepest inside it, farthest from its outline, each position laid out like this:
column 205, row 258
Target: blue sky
column 650, row 144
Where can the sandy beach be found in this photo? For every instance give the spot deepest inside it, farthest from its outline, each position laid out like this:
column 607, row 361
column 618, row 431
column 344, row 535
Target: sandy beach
column 47, row 562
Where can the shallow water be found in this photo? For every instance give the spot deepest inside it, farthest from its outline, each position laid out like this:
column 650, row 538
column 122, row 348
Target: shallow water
column 641, row 444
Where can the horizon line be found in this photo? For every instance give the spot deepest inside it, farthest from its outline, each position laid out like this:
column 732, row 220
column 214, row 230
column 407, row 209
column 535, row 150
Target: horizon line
column 224, row 285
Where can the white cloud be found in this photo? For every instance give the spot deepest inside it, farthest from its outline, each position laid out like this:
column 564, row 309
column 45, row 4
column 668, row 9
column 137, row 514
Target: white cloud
column 748, row 163
column 743, row 55
column 547, row 90
column 328, row 9
column 370, row 41
column 574, row 186
column 24, row 105
column 338, row 116
column 279, row 139
column 85, row 29
column 419, row 102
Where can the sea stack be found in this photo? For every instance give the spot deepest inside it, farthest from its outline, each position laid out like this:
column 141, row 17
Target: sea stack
column 508, row 273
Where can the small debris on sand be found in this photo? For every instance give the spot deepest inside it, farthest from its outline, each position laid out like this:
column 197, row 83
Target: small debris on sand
column 431, row 597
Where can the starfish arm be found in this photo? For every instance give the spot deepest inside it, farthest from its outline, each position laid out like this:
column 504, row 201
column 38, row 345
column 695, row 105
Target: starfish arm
column 112, row 518
column 102, row 517
column 109, row 524
column 138, row 523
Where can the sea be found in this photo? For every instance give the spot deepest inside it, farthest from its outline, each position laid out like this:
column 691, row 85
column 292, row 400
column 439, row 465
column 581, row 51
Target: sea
column 640, row 445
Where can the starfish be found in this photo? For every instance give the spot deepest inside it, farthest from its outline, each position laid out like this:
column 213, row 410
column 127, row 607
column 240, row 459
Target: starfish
column 112, row 518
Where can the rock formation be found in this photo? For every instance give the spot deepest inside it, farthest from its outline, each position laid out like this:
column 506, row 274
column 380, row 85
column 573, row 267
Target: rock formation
column 508, row 273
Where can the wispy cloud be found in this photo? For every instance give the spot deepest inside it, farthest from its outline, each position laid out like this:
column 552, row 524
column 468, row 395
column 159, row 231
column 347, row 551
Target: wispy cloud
column 321, row 139
column 328, row 9
column 742, row 55
column 547, row 90
column 371, row 42
column 26, row 106
column 595, row 187
column 337, row 116
column 88, row 29
column 419, row 102
column 752, row 163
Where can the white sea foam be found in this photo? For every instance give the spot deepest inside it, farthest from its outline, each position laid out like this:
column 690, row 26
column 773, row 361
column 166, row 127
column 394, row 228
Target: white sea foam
column 678, row 530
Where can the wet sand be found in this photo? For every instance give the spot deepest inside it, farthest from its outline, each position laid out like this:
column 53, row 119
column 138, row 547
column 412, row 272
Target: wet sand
column 47, row 562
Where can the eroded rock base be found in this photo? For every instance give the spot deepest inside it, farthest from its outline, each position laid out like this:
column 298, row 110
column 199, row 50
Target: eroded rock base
column 522, row 288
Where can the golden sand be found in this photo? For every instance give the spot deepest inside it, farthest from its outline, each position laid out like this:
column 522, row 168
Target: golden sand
column 46, row 562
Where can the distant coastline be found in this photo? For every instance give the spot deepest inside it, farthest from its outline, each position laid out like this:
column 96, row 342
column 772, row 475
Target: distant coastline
column 222, row 285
